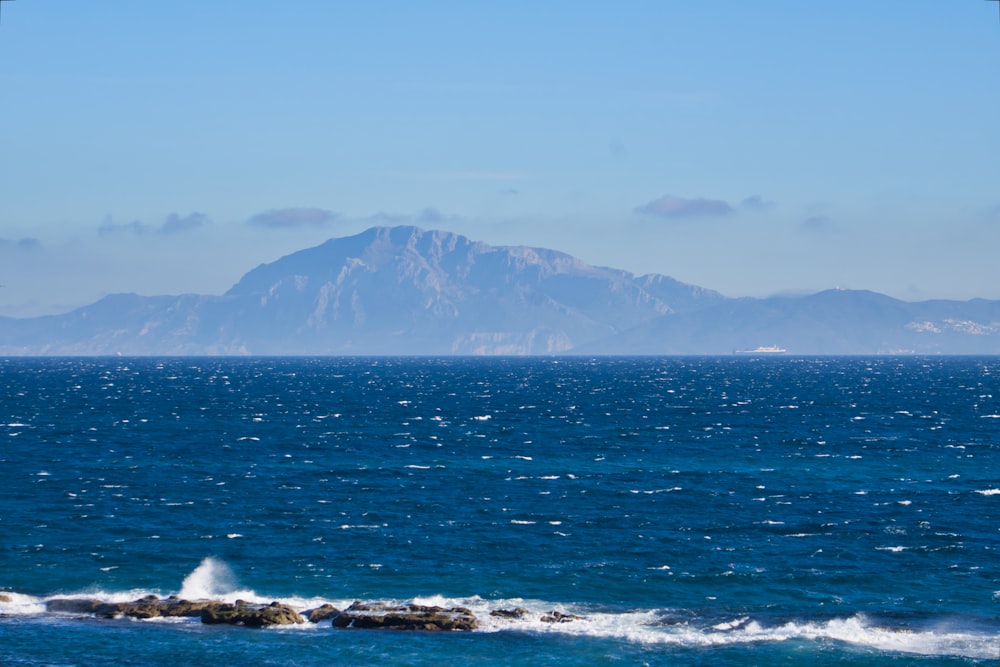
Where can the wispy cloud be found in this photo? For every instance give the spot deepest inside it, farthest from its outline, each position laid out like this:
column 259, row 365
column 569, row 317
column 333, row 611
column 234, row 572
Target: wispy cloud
column 109, row 226
column 817, row 222
column 427, row 216
column 173, row 224
column 293, row 218
column 176, row 223
column 26, row 243
column 431, row 215
column 669, row 206
column 756, row 203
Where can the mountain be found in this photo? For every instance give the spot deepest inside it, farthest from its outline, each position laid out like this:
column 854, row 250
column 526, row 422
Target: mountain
column 406, row 291
column 828, row 322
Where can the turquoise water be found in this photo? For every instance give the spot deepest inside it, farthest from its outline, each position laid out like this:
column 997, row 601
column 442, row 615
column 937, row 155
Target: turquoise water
column 725, row 511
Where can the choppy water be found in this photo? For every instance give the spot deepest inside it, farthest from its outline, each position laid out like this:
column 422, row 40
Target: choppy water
column 725, row 511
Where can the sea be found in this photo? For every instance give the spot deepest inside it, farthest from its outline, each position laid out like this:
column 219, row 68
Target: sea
column 744, row 510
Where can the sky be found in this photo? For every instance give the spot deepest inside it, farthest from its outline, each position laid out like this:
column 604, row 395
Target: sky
column 754, row 148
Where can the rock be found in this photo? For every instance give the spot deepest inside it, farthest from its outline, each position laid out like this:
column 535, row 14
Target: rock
column 408, row 617
column 275, row 613
column 153, row 607
column 210, row 611
column 516, row 612
column 358, row 615
column 185, row 608
column 137, row 609
column 5, row 598
column 250, row 615
column 147, row 607
column 559, row 617
column 218, row 613
column 72, row 606
column 358, row 605
column 327, row 611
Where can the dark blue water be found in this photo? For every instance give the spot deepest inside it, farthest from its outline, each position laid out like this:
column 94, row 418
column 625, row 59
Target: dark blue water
column 726, row 511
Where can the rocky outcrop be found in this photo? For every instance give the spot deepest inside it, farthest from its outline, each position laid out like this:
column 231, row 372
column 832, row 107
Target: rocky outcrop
column 153, row 607
column 323, row 613
column 360, row 615
column 559, row 617
column 251, row 615
column 147, row 607
column 515, row 613
column 72, row 606
column 519, row 613
column 408, row 617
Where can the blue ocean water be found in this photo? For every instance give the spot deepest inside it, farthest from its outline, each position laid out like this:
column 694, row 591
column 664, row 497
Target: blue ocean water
column 724, row 511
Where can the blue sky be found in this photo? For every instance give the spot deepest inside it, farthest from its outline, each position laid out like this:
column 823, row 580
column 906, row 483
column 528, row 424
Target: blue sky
column 749, row 147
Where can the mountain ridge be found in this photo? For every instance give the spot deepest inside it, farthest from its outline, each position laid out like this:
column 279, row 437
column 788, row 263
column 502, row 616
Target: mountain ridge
column 406, row 291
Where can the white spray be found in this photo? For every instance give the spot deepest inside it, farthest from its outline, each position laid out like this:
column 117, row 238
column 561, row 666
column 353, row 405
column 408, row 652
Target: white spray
column 211, row 580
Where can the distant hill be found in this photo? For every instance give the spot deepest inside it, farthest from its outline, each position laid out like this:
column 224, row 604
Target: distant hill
column 406, row 291
column 829, row 322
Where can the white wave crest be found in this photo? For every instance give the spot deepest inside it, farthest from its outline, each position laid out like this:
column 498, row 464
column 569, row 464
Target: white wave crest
column 637, row 627
column 647, row 627
column 212, row 580
column 18, row 604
